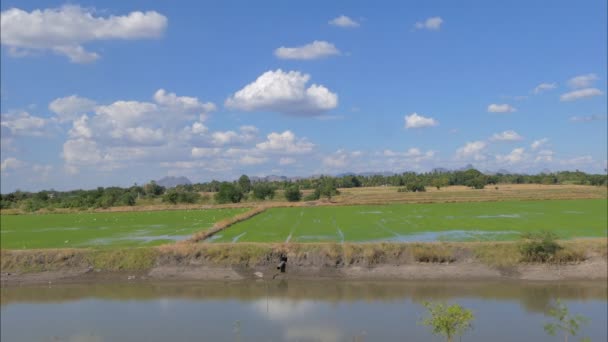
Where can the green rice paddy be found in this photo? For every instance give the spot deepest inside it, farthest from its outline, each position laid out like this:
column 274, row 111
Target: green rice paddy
column 106, row 229
column 476, row 221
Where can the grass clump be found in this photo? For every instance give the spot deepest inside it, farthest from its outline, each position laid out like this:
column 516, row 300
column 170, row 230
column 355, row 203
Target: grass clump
column 432, row 253
column 132, row 259
column 539, row 247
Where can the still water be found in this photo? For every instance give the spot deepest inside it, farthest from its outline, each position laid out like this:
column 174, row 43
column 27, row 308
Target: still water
column 290, row 310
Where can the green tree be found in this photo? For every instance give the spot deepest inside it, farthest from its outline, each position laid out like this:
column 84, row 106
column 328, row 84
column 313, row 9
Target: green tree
column 293, row 193
column 245, row 183
column 228, row 193
column 564, row 322
column 171, row 196
column 450, row 321
column 440, row 182
column 326, row 188
column 263, row 191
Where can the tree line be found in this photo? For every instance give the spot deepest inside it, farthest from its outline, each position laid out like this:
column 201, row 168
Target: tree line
column 245, row 189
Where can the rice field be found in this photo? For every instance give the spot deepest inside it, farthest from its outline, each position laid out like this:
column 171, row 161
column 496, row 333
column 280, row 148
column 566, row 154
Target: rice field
column 106, row 229
column 478, row 221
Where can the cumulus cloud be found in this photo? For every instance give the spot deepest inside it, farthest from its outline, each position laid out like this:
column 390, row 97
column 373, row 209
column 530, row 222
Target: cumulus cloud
column 516, row 156
column 418, row 121
column 472, row 150
column 544, row 87
column 71, row 107
column 23, row 123
column 11, row 163
column 582, row 81
column 252, row 160
column 63, row 30
column 544, row 156
column 501, row 108
column 126, row 131
column 201, row 152
column 580, row 94
column 285, row 142
column 283, row 92
column 538, row 143
column 432, row 24
column 245, row 134
column 588, row 118
column 314, row 50
column 509, row 135
column 344, row 21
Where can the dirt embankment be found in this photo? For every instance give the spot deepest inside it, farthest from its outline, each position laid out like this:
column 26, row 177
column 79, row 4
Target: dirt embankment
column 580, row 260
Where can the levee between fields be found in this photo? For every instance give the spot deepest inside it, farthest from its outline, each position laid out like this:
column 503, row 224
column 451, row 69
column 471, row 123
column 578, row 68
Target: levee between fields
column 582, row 259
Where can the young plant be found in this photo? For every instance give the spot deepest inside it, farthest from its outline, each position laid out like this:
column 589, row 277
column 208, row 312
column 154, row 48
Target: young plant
column 449, row 321
column 563, row 322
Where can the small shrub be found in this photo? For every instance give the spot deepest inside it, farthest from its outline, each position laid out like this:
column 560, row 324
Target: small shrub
column 539, row 247
column 293, row 193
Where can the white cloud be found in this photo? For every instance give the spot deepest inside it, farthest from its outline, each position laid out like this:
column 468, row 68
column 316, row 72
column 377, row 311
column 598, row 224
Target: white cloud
column 63, row 30
column 71, row 107
column 509, row 135
column 247, row 134
column 23, row 123
column 286, row 161
column 580, row 94
column 544, row 87
column 285, row 142
column 183, row 103
column 538, row 143
column 80, row 128
column 516, row 156
column 338, row 159
column 343, row 21
column 501, row 108
column 418, row 121
column 11, row 163
column 433, row 24
column 252, row 160
column 314, row 50
column 200, row 152
column 577, row 161
column 544, row 156
column 588, row 118
column 78, row 152
column 472, row 150
column 582, row 81
column 283, row 92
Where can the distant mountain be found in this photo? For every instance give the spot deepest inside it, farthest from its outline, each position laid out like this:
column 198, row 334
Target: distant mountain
column 270, row 178
column 171, row 182
column 467, row 167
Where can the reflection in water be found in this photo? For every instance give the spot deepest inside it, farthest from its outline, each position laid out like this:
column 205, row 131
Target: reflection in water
column 283, row 310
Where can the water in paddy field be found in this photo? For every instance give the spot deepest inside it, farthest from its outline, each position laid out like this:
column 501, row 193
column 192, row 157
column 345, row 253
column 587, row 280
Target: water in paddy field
column 290, row 310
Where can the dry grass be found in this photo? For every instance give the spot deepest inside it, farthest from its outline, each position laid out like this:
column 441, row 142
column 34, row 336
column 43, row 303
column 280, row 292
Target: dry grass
column 385, row 195
column 223, row 224
column 249, row 255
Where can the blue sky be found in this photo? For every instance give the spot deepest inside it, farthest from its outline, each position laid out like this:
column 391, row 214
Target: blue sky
column 113, row 93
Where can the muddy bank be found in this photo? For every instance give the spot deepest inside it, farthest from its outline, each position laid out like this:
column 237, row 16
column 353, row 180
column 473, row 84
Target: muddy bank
column 579, row 260
column 459, row 271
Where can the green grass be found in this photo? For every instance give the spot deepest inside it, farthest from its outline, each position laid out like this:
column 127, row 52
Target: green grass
column 479, row 221
column 117, row 229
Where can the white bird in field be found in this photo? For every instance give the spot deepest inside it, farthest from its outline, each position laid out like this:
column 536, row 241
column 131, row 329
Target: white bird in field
column 259, row 274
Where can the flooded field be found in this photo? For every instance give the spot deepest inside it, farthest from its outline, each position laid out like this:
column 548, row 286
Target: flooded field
column 289, row 310
column 106, row 229
column 479, row 221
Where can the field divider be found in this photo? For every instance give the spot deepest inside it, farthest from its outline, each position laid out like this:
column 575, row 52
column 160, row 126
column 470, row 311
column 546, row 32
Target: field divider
column 223, row 224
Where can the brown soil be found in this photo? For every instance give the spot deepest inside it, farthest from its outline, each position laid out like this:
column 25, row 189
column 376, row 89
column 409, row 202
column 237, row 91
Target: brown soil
column 593, row 269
